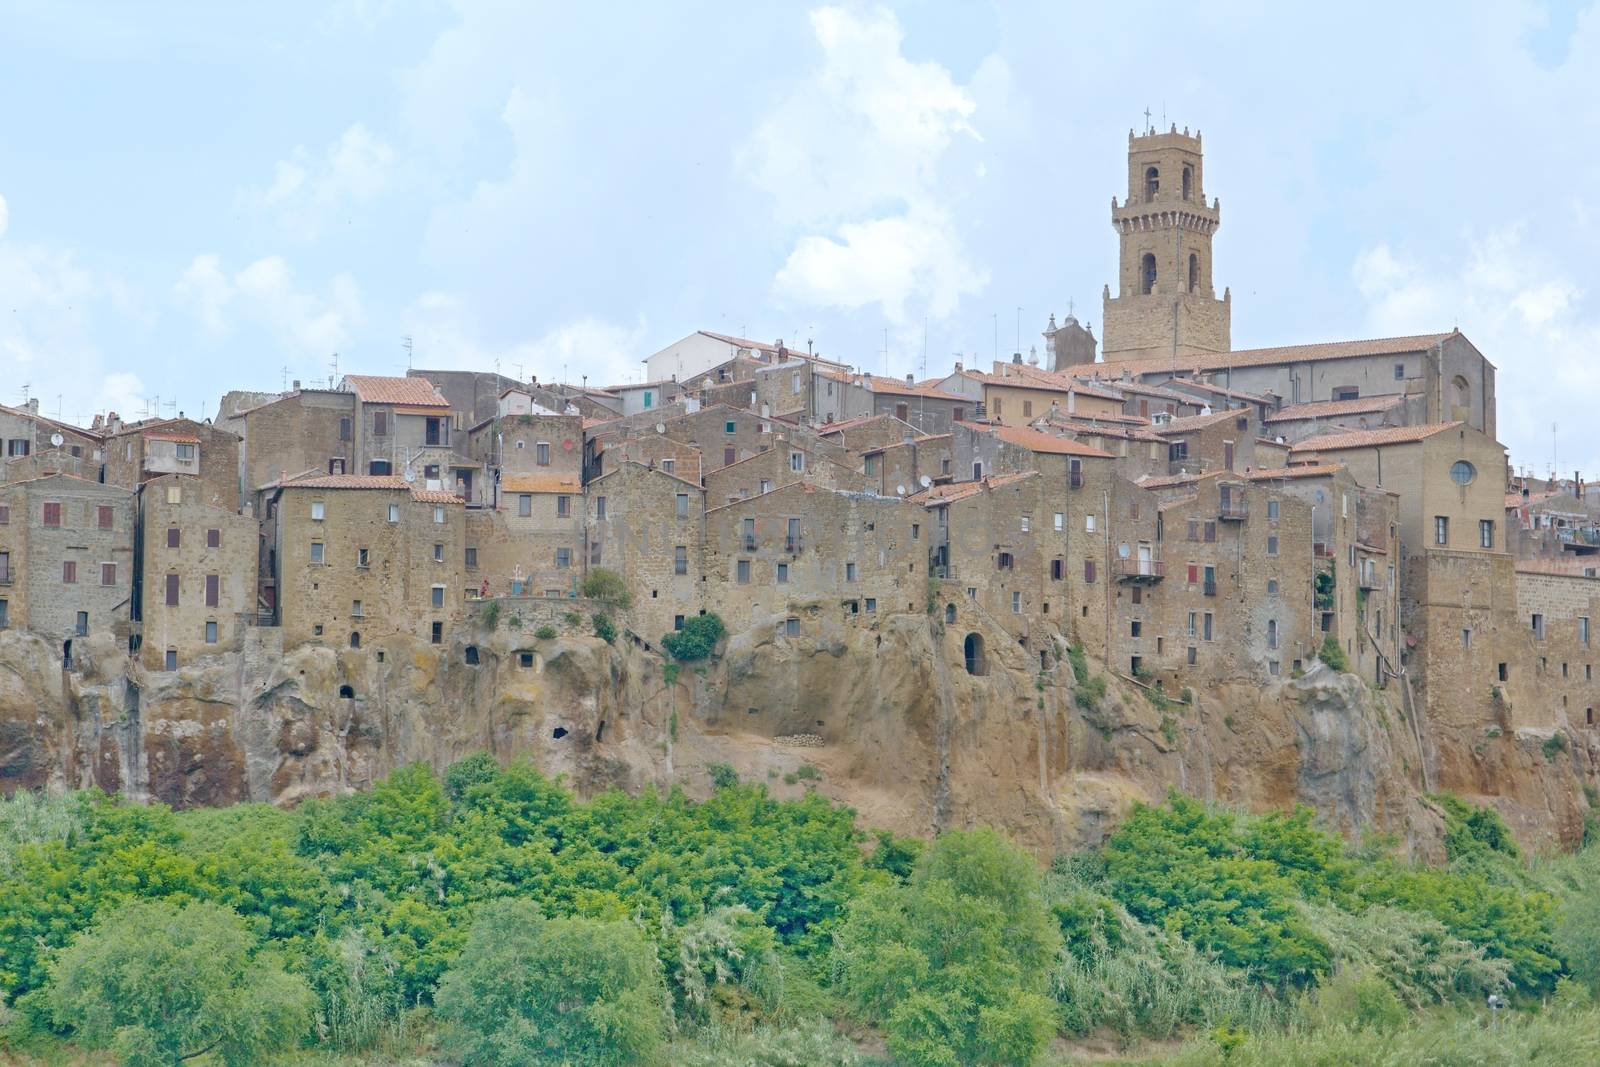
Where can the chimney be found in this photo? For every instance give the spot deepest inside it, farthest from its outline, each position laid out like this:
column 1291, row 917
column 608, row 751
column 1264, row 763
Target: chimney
column 1016, row 357
column 297, row 385
column 33, row 405
column 909, row 381
column 958, row 366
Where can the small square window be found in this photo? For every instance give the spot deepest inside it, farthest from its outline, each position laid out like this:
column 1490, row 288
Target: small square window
column 394, row 512
column 211, row 632
column 316, row 553
column 213, row 538
column 791, row 627
column 317, row 511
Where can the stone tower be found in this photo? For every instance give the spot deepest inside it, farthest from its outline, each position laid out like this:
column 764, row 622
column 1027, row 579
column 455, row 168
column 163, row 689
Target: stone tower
column 1165, row 304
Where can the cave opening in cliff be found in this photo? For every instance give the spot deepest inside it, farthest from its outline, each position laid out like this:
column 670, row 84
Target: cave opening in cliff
column 347, row 692
column 600, row 731
column 973, row 650
column 559, row 732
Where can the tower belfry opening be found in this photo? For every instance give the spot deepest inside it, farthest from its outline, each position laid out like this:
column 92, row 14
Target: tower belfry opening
column 1165, row 304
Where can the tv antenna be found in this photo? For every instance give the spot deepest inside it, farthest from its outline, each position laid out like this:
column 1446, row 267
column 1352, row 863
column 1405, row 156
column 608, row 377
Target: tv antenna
column 333, row 379
column 406, row 343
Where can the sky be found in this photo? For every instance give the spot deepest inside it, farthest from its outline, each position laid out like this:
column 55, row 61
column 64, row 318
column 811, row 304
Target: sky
column 200, row 197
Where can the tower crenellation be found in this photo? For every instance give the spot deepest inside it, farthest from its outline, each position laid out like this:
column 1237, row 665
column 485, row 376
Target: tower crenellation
column 1165, row 301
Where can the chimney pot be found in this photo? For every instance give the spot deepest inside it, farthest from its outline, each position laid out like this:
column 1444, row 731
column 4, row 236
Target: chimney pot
column 297, row 385
column 910, row 380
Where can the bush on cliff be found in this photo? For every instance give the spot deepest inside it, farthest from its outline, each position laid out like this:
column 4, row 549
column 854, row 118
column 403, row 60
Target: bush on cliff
column 698, row 638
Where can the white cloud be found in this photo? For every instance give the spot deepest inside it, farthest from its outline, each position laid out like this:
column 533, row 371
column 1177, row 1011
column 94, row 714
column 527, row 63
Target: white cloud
column 1523, row 313
column 121, row 392
column 308, row 194
column 446, row 333
column 858, row 151
column 264, row 295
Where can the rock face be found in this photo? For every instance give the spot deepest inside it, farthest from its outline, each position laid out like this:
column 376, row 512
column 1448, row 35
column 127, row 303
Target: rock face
column 883, row 716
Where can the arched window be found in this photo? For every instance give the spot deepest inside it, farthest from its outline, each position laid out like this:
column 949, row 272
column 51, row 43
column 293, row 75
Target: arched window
column 972, row 649
column 1188, row 181
column 1194, row 272
column 355, row 639
column 949, row 613
column 1152, row 183
column 1147, row 274
column 1463, row 392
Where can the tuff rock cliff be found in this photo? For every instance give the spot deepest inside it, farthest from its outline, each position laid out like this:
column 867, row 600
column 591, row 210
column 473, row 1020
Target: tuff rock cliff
column 883, row 716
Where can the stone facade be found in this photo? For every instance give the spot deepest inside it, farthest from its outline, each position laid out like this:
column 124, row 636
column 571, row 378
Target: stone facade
column 181, row 446
column 68, row 548
column 790, row 461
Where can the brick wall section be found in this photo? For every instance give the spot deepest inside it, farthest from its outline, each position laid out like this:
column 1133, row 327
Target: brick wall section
column 230, row 564
column 642, row 526
column 775, row 468
column 299, row 433
column 39, row 597
column 707, row 430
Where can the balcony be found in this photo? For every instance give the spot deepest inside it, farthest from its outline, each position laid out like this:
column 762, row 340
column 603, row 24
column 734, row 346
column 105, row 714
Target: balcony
column 749, row 542
column 1233, row 511
column 1209, row 588
column 1139, row 570
column 1580, row 539
column 792, row 545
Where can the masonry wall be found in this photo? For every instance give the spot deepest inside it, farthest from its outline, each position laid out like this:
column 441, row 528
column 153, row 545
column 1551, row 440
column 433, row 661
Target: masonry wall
column 1567, row 692
column 296, row 434
column 642, row 526
column 230, row 563
column 776, row 467
column 52, row 603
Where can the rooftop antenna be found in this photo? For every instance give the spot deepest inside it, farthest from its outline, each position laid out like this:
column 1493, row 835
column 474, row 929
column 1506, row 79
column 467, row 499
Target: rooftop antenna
column 886, row 351
column 1070, row 306
column 1019, row 329
column 809, row 350
column 406, row 343
column 58, row 405
column 25, row 387
column 996, row 317
column 333, row 379
column 285, row 378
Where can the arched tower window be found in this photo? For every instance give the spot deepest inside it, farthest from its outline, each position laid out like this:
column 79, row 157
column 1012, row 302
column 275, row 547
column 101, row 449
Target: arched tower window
column 1194, row 272
column 355, row 639
column 972, row 652
column 1188, row 181
column 1147, row 274
column 1152, row 183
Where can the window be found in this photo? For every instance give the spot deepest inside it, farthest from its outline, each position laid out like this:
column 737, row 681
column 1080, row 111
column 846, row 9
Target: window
column 1088, row 571
column 1025, row 522
column 649, row 399
column 1016, row 602
column 1136, row 628
column 171, row 659
column 1060, row 522
column 356, row 610
column 1003, row 561
column 1462, row 472
column 1347, row 392
column 69, row 572
column 5, row 514
column 363, row 558
column 394, row 512
column 1211, row 531
column 743, row 572
column 797, row 461
column 563, row 558
column 438, row 552
column 108, row 573
column 211, row 631
column 680, row 559
column 316, row 553
column 379, row 466
column 174, row 538
column 1191, row 629
column 729, row 456
column 1583, row 630
column 172, row 590
column 1441, row 530
column 849, row 572
column 436, row 633
column 102, row 516
column 213, row 590
column 1027, row 409
column 1501, row 671
column 82, row 628
column 1194, row 573
column 472, row 556
column 1152, row 184
column 783, row 574
column 213, row 538
column 344, row 428
column 1272, row 544
column 52, row 513
column 563, row 507
column 1178, row 450
column 1538, row 627
column 669, row 465
column 791, row 627
column 1193, row 655
column 438, row 514
column 1399, row 372
column 683, row 505
column 438, row 596
column 1272, row 509
column 1486, row 533
column 1272, row 633
column 1466, row 637
column 525, row 659
column 600, row 507
column 916, row 531
column 1088, row 523
column 541, row 453
column 1058, row 569
column 185, row 452
column 525, row 504
column 380, row 423
column 1205, row 631
column 1272, row 587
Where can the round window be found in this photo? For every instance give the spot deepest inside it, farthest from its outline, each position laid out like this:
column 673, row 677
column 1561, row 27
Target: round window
column 1462, row 472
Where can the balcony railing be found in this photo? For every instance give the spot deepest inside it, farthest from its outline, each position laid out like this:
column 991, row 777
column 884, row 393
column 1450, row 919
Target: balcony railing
column 1140, row 570
column 1233, row 511
column 1209, row 588
column 749, row 543
column 793, row 544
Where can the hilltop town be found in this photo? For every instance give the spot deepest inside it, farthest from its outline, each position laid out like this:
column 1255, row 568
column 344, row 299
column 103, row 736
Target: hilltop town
column 1152, row 507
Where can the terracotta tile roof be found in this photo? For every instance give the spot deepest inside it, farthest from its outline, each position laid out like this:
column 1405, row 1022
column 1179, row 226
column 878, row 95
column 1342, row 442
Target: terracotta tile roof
column 1223, row 390
column 346, row 481
column 1304, row 470
column 1385, row 435
column 411, row 392
column 1325, row 409
column 935, row 495
column 1038, row 440
column 540, row 483
column 1026, row 377
column 168, row 435
column 1115, row 418
column 1177, row 502
column 1169, row 481
column 876, row 383
column 849, row 424
column 763, row 346
column 1516, row 500
column 1196, row 422
column 435, row 496
column 1260, row 357
column 1139, row 388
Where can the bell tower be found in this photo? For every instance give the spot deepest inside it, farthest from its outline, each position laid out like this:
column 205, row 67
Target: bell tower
column 1165, row 304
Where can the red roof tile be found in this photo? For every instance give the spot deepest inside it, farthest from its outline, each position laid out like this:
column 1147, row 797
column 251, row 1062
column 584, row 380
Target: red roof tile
column 1258, row 357
column 1385, row 435
column 1038, row 440
column 411, row 392
column 1327, row 409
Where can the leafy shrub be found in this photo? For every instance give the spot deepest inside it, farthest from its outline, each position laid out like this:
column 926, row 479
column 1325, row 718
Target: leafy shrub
column 1080, row 663
column 807, row 772
column 669, row 673
column 723, row 776
column 1420, row 960
column 572, row 618
column 158, row 984
column 1089, row 694
column 811, row 1045
column 604, row 628
column 1356, row 998
column 1554, row 745
column 545, row 633
column 608, row 587
column 1332, row 654
column 954, row 963
column 698, row 638
column 489, row 615
column 528, row 989
column 727, row 967
column 1474, row 832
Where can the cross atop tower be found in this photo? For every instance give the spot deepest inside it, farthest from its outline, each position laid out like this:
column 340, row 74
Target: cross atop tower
column 1147, row 126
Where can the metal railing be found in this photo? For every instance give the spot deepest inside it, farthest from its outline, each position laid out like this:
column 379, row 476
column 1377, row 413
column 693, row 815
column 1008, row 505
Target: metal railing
column 1133, row 569
column 1209, row 588
column 1233, row 511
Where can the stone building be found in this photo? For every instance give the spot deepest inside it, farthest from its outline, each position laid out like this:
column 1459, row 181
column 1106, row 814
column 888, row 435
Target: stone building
column 472, row 396
column 838, row 397
column 1217, row 440
column 897, row 469
column 66, row 552
column 196, row 581
column 790, row 461
column 1296, row 422
column 140, row 452
column 402, row 425
column 1070, row 343
column 655, row 450
column 24, row 432
column 304, row 432
column 1017, row 394
column 650, row 526
column 1165, row 305
column 725, row 435
column 361, row 557
column 802, row 549
column 534, row 543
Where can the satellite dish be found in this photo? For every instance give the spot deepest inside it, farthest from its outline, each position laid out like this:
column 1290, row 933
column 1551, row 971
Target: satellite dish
column 410, row 475
column 899, row 490
column 924, row 481
column 57, row 440
column 661, row 427
column 1122, row 550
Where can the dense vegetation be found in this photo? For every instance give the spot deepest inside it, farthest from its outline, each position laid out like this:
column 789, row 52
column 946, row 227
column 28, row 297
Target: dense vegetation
column 490, row 917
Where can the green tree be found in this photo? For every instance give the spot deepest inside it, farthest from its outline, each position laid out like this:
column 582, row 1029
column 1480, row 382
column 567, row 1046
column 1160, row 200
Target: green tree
column 698, row 638
column 158, row 984
column 608, row 587
column 956, row 962
column 526, row 989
